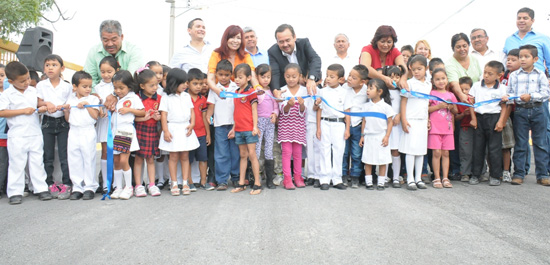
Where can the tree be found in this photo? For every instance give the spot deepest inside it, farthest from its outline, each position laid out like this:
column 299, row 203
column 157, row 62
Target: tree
column 18, row 15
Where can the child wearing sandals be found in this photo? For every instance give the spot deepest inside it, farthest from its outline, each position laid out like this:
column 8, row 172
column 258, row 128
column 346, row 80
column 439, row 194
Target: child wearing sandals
column 178, row 120
column 414, row 120
column 129, row 106
column 246, row 129
column 376, row 132
column 441, row 132
column 147, row 133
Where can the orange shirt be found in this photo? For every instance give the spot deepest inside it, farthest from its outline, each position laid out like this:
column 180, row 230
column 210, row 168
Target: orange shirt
column 216, row 58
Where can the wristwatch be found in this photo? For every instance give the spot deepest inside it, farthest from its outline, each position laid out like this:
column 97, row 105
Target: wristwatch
column 312, row 77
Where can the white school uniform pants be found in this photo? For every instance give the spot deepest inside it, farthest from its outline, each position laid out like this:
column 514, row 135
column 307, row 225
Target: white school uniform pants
column 332, row 141
column 312, row 146
column 22, row 150
column 81, row 156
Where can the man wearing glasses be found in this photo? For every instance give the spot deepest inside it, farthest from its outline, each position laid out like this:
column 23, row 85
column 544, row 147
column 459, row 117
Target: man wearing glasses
column 481, row 51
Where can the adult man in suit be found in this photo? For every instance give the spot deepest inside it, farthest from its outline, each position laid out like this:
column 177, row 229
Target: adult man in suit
column 289, row 49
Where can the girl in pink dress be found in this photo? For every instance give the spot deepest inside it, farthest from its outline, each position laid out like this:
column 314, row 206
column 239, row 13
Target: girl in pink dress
column 292, row 126
column 440, row 135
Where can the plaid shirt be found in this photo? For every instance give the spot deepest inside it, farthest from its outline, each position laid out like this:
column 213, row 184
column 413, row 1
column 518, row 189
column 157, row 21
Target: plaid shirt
column 533, row 83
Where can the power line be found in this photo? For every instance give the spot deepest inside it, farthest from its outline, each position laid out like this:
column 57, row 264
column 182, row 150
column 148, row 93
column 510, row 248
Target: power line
column 452, row 15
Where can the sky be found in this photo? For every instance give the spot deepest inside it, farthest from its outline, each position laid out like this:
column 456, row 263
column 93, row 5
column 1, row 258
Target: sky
column 146, row 22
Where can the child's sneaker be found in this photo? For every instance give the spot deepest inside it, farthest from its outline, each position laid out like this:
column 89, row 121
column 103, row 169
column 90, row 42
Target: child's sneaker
column 140, row 191
column 154, row 191
column 26, row 192
column 54, row 190
column 64, row 192
column 193, row 187
column 277, row 180
column 506, row 177
column 116, row 193
column 209, row 186
column 127, row 193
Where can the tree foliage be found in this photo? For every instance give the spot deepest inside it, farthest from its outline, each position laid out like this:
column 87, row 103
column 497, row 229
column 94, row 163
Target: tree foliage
column 18, row 15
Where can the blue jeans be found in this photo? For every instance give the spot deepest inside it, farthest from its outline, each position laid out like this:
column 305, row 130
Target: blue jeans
column 226, row 155
column 55, row 129
column 536, row 120
column 547, row 112
column 353, row 149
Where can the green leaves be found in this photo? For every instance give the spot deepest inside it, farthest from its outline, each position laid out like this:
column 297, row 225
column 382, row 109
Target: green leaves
column 18, row 15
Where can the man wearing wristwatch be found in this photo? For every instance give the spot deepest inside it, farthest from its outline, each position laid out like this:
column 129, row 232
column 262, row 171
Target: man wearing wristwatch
column 289, row 49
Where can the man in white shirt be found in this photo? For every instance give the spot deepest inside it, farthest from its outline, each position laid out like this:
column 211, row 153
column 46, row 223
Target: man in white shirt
column 481, row 51
column 197, row 53
column 251, row 46
column 341, row 45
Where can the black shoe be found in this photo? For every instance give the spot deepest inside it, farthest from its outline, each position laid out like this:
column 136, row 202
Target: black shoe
column 370, row 187
column 354, row 183
column 324, row 186
column 88, row 195
column 310, row 182
column 77, row 195
column 340, row 186
column 45, row 196
column 345, row 180
column 221, row 187
column 380, row 187
column 17, row 199
column 316, row 184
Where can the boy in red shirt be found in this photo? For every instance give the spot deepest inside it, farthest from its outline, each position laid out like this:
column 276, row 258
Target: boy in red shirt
column 468, row 123
column 195, row 81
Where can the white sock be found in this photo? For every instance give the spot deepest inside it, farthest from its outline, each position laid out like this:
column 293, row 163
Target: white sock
column 185, row 182
column 396, row 166
column 128, row 177
column 118, row 178
column 409, row 163
column 104, row 172
column 368, row 179
column 159, row 171
column 381, row 180
column 418, row 161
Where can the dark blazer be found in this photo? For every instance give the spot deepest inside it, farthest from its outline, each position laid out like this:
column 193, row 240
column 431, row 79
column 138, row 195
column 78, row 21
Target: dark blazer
column 309, row 61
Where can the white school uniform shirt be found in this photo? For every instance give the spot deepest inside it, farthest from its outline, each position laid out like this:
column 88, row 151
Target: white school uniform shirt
column 302, row 92
column 131, row 100
column 178, row 107
column 376, row 125
column 417, row 108
column 81, row 117
column 354, row 102
column 160, row 91
column 104, row 89
column 223, row 108
column 56, row 95
column 395, row 96
column 21, row 125
column 336, row 98
column 482, row 93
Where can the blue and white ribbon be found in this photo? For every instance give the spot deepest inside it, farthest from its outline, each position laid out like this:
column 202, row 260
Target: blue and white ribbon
column 110, row 160
column 436, row 98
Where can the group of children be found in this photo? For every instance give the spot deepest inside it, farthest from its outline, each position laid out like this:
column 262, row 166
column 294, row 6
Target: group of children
column 159, row 112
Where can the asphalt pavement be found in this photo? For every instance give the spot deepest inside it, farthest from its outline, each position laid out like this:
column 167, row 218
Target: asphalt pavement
column 466, row 224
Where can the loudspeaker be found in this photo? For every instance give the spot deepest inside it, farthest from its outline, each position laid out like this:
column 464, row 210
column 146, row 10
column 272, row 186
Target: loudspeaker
column 36, row 45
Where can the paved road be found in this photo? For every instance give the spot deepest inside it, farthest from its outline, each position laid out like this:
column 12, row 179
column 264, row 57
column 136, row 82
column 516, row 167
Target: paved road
column 466, row 224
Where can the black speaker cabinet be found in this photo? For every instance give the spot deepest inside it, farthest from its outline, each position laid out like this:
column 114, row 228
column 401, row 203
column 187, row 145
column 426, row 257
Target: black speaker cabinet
column 37, row 43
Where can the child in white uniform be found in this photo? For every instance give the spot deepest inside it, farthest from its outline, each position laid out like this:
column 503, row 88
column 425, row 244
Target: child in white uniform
column 376, row 132
column 81, row 147
column 414, row 120
column 107, row 67
column 178, row 120
column 25, row 144
column 395, row 73
column 129, row 106
column 332, row 124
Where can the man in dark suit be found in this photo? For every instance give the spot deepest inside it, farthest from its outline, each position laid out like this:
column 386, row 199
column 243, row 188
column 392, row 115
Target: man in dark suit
column 287, row 50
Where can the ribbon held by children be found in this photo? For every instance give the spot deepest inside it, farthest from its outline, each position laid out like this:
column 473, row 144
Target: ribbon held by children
column 226, row 94
column 109, row 159
column 436, row 98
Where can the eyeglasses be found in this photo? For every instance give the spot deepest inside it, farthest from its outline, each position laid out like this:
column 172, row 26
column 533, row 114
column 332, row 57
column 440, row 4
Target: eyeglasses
column 478, row 37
